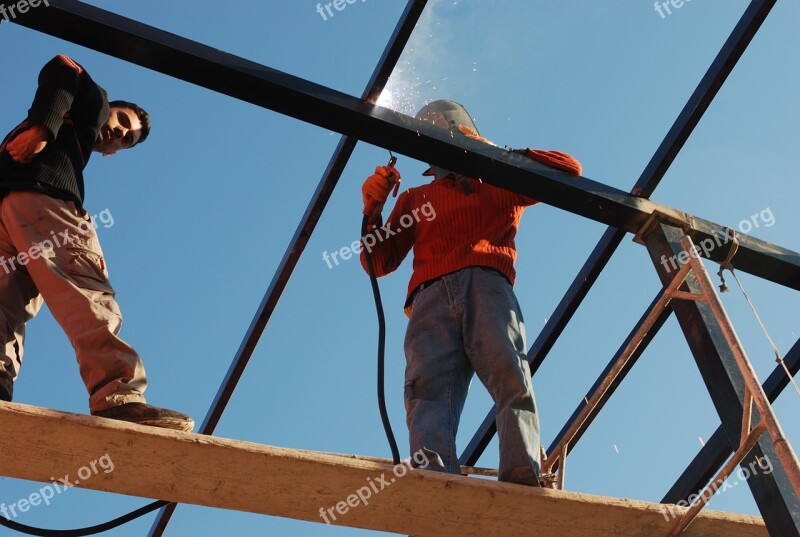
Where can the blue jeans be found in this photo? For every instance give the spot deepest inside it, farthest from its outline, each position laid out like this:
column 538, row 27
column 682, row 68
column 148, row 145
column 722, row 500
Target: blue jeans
column 470, row 322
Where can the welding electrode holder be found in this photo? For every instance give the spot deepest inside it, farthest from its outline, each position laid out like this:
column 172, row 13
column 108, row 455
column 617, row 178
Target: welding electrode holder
column 394, row 184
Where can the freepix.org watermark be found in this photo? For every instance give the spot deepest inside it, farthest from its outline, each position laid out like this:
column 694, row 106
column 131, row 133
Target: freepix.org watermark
column 664, row 6
column 46, row 248
column 48, row 492
column 379, row 235
column 338, row 5
column 9, row 13
column 742, row 474
column 706, row 246
column 373, row 486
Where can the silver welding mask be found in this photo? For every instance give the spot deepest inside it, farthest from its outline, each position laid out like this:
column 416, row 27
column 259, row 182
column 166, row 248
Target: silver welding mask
column 448, row 115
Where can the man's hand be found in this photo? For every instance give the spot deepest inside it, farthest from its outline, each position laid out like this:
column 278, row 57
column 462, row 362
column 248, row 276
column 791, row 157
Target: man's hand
column 555, row 159
column 376, row 188
column 28, row 144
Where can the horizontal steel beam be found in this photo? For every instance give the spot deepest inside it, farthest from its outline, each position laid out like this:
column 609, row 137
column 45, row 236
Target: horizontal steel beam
column 327, row 108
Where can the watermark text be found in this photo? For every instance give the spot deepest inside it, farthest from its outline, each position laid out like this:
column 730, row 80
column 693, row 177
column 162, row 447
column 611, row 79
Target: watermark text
column 338, row 5
column 664, row 6
column 48, row 492
column 9, row 13
column 708, row 245
column 379, row 234
column 46, row 248
column 373, row 486
column 742, row 474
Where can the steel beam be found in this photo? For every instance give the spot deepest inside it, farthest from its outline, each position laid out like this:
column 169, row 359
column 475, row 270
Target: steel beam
column 330, row 109
column 302, row 235
column 717, row 449
column 684, row 125
column 333, row 110
column 709, row 338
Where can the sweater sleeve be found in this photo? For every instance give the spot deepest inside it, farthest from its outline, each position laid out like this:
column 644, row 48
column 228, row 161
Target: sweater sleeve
column 555, row 159
column 389, row 248
column 60, row 81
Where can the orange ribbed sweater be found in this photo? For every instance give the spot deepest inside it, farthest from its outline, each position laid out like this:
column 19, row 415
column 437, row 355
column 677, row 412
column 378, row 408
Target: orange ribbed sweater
column 450, row 230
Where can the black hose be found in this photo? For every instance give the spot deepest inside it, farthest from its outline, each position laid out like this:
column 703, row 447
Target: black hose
column 80, row 532
column 387, row 426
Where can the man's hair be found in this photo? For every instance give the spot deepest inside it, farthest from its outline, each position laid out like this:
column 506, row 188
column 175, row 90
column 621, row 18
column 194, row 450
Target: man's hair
column 142, row 114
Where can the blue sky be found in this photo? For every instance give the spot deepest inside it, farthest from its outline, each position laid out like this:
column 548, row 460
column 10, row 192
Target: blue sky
column 204, row 211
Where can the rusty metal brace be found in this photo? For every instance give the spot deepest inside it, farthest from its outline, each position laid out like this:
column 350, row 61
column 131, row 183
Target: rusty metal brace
column 753, row 395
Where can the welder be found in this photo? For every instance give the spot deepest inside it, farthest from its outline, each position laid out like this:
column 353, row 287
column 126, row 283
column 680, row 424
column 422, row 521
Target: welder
column 464, row 317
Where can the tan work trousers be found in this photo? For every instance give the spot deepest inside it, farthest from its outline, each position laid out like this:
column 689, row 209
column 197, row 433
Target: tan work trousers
column 49, row 249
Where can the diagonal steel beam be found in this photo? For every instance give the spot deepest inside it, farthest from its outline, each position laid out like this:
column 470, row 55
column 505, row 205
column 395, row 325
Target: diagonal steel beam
column 684, row 125
column 717, row 449
column 302, row 235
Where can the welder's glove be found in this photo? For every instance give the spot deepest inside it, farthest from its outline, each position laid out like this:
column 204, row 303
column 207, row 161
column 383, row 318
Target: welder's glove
column 375, row 190
column 466, row 131
column 555, row 159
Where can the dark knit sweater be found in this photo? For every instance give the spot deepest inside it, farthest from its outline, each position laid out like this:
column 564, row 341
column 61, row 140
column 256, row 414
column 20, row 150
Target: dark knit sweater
column 72, row 108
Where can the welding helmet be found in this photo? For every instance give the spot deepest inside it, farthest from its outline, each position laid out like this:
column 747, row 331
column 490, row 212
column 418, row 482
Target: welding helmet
column 446, row 114
column 449, row 115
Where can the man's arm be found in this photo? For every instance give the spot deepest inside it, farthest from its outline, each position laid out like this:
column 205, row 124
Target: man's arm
column 555, row 159
column 389, row 248
column 60, row 81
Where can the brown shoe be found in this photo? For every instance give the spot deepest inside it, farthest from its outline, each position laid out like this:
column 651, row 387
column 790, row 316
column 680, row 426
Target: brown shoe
column 6, row 386
column 144, row 414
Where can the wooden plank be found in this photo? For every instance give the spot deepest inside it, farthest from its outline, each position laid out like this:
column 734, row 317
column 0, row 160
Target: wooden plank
column 217, row 472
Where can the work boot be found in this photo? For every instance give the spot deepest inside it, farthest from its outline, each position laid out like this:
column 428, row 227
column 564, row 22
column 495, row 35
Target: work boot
column 524, row 476
column 144, row 414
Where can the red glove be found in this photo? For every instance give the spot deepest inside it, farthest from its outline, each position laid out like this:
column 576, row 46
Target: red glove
column 466, row 131
column 555, row 159
column 375, row 190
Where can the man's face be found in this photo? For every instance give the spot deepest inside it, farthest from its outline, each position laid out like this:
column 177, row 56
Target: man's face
column 121, row 131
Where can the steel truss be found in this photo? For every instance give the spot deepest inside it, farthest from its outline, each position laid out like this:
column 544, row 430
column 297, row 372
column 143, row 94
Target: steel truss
column 665, row 231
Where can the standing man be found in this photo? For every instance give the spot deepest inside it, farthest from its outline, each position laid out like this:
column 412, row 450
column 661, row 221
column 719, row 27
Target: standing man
column 463, row 314
column 49, row 248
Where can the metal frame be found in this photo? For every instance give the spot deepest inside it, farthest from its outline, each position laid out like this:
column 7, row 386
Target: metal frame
column 732, row 384
column 360, row 119
column 684, row 125
column 717, row 449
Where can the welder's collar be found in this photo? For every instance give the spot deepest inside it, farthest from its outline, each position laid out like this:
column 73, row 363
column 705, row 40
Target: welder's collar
column 436, row 171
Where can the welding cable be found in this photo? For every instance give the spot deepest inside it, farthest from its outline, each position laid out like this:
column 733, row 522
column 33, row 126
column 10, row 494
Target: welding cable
column 91, row 530
column 387, row 426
